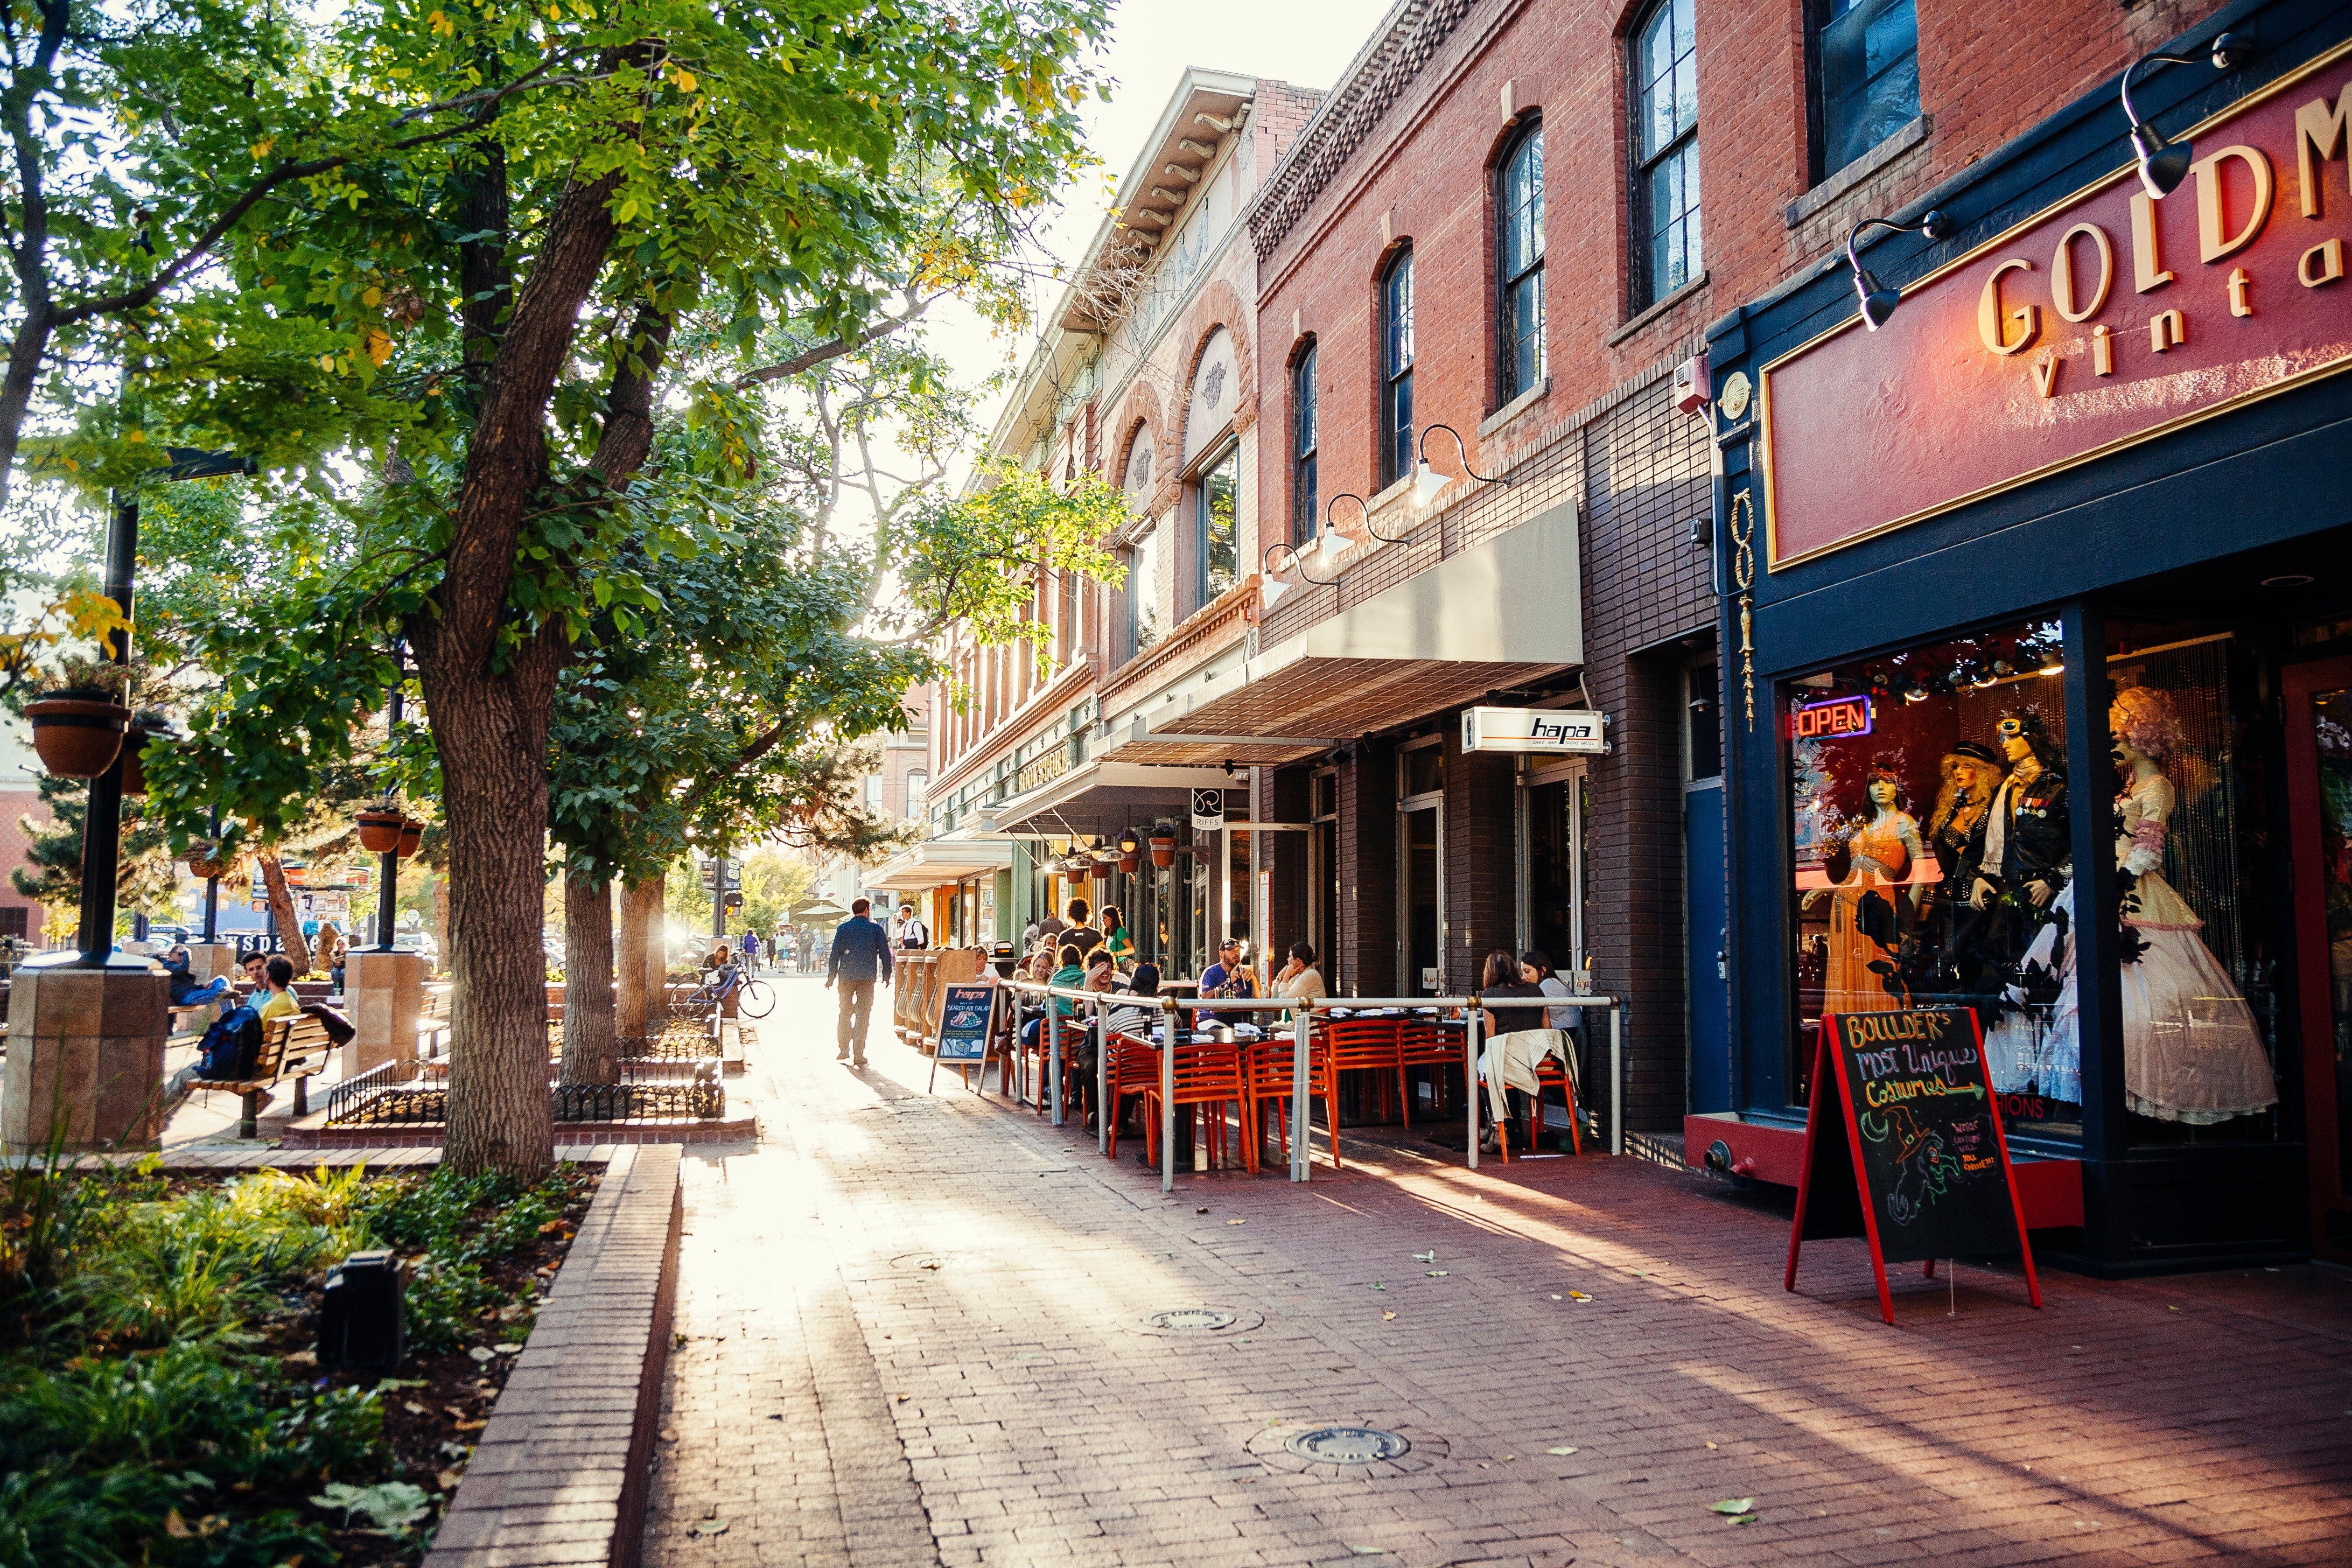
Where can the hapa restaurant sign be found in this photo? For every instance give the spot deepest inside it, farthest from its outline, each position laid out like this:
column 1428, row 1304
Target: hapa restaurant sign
column 2107, row 321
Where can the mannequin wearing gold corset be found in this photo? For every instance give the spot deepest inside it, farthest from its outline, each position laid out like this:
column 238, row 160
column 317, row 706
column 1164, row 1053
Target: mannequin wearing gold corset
column 1865, row 911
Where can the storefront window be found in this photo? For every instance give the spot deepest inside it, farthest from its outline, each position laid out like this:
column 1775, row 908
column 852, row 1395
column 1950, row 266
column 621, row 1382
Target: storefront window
column 1931, row 833
column 2201, row 1010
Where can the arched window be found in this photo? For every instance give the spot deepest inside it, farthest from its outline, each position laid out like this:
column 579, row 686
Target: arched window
column 1304, row 496
column 1520, row 255
column 1136, row 480
column 1396, row 369
column 1665, row 70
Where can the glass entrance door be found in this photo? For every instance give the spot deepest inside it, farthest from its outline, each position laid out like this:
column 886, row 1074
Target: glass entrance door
column 1424, row 913
column 2319, row 794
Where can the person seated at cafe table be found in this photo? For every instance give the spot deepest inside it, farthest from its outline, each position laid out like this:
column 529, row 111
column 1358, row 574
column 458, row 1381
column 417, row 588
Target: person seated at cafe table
column 1229, row 976
column 1069, row 975
column 1299, row 977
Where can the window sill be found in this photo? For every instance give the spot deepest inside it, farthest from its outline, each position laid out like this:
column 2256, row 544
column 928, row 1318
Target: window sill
column 1514, row 408
column 1855, row 172
column 1654, row 311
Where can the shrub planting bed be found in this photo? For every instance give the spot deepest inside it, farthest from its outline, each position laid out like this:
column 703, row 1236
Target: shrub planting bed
column 161, row 1399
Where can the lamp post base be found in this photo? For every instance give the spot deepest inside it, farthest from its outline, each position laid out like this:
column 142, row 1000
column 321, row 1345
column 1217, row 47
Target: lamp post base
column 387, row 993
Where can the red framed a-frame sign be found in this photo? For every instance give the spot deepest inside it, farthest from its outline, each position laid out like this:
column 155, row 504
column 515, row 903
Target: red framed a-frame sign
column 1911, row 1157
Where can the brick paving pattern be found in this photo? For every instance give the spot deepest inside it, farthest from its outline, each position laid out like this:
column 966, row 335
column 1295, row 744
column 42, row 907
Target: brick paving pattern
column 915, row 1334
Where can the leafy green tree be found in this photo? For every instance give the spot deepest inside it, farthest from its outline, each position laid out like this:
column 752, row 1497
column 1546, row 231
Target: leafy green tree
column 458, row 241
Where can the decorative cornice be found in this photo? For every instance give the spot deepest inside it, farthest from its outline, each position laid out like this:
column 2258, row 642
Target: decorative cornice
column 1396, row 55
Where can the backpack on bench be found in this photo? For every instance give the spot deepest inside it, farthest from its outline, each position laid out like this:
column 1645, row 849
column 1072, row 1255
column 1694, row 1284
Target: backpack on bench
column 231, row 1047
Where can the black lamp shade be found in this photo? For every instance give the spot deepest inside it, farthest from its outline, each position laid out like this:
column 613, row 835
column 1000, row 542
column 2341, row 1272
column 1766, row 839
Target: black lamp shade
column 1878, row 301
column 2162, row 165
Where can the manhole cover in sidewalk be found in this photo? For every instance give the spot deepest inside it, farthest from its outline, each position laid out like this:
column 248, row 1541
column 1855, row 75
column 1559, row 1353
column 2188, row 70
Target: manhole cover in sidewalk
column 1345, row 1449
column 1205, row 1319
column 1349, row 1445
column 1195, row 1322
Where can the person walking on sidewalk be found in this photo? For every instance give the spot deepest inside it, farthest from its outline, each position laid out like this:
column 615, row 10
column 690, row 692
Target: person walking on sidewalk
column 861, row 954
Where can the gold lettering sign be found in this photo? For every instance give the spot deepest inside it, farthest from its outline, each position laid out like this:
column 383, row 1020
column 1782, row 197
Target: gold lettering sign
column 1992, row 322
column 2062, row 273
column 2212, row 242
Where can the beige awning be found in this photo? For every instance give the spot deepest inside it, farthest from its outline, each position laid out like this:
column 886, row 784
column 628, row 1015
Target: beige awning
column 936, row 862
column 1099, row 798
column 1503, row 613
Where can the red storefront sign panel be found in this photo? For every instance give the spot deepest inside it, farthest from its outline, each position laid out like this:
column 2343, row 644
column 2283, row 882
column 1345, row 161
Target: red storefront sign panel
column 2104, row 322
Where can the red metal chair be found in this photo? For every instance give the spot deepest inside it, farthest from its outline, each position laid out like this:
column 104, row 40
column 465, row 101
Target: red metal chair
column 1548, row 1076
column 1210, row 1075
column 1369, row 1045
column 1423, row 1044
column 1269, row 1063
column 1134, row 1074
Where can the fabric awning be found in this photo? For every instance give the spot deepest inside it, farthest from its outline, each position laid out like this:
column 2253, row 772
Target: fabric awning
column 1503, row 613
column 936, row 862
column 1103, row 797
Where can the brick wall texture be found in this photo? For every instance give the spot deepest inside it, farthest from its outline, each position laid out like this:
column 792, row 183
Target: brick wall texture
column 15, row 806
column 1402, row 154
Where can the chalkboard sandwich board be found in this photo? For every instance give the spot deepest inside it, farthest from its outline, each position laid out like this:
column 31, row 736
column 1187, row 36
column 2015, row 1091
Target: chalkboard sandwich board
column 966, row 1020
column 1912, row 1155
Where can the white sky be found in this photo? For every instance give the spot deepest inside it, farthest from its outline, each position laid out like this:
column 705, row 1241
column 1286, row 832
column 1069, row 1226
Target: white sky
column 1153, row 42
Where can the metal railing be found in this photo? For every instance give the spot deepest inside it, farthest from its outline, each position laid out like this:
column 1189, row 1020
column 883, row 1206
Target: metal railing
column 409, row 1093
column 1303, row 1010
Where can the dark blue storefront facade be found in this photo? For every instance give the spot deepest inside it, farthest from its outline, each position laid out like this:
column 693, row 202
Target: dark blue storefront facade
column 2192, row 589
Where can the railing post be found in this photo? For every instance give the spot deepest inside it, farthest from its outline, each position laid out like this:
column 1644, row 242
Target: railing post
column 1303, row 1042
column 1168, row 1094
column 1102, row 1079
column 1616, row 1077
column 1052, row 1034
column 1472, row 1019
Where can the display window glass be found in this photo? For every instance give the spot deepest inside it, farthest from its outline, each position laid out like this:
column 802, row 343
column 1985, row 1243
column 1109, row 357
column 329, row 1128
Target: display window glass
column 1930, row 835
column 2196, row 945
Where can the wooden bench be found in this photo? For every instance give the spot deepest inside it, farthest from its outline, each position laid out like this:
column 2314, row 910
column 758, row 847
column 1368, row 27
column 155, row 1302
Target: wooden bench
column 293, row 1049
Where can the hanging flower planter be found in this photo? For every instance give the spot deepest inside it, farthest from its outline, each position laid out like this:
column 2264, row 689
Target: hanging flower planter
column 380, row 830
column 147, row 730
column 1128, row 864
column 411, row 833
column 1163, row 849
column 78, row 733
column 206, row 861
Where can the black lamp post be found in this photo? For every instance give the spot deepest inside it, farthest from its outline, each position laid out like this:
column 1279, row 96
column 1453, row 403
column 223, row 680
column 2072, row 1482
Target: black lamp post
column 1878, row 301
column 387, row 892
column 101, row 828
column 212, row 884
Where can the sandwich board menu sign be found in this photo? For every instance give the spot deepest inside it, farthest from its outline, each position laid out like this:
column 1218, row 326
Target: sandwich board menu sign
column 1910, row 1154
column 967, row 1015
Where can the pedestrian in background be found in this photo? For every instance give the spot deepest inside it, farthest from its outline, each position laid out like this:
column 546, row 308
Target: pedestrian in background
column 861, row 955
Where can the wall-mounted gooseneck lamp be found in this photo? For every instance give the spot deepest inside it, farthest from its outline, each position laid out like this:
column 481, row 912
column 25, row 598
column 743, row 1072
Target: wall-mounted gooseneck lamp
column 2164, row 165
column 1270, row 587
column 1878, row 301
column 1427, row 481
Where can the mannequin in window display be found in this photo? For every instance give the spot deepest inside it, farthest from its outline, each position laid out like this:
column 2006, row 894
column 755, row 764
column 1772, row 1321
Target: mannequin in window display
column 2023, row 883
column 2191, row 1050
column 1944, row 960
column 1865, row 924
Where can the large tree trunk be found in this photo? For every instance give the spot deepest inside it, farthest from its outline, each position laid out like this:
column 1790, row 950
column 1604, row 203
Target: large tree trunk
column 591, row 1054
column 639, row 904
column 281, row 911
column 657, row 958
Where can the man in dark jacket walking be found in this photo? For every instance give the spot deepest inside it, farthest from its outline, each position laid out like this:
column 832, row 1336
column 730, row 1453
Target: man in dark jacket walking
column 861, row 954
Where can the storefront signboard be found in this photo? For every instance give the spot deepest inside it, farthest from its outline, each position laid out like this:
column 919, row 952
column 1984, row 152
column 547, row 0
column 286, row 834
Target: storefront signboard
column 1537, row 731
column 2108, row 320
column 1917, row 1161
column 967, row 1013
column 1208, row 811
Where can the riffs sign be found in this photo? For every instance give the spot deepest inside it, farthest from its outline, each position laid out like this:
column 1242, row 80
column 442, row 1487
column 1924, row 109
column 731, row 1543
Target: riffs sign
column 1549, row 731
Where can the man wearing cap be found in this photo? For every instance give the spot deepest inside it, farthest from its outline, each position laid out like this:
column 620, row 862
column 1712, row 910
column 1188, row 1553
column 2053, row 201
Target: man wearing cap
column 1229, row 976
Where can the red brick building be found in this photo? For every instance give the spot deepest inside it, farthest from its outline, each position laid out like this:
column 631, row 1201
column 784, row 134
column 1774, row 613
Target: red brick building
column 1515, row 221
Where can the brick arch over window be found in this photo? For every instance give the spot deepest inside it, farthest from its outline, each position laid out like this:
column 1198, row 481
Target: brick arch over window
column 1139, row 419
column 1219, row 305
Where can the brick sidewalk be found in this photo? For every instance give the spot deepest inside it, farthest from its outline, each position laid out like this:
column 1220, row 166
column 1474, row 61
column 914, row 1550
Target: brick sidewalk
column 840, row 1400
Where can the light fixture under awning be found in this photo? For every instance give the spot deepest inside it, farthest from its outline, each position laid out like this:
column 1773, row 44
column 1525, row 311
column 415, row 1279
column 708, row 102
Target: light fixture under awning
column 1100, row 798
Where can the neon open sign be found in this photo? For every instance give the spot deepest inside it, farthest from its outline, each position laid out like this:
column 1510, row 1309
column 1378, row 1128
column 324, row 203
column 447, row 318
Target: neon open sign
column 1838, row 716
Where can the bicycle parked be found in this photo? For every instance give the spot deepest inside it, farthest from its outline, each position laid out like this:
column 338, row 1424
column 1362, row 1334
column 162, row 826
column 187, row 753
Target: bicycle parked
column 754, row 998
